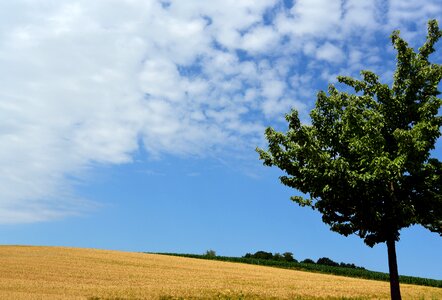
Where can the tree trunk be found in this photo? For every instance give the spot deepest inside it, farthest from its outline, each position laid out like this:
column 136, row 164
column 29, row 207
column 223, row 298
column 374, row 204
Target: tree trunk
column 395, row 290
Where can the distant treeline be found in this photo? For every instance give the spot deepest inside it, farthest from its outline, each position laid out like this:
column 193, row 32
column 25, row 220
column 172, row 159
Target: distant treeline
column 311, row 266
column 288, row 257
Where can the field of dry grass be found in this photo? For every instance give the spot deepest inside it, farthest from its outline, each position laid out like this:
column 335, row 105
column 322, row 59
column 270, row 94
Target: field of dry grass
column 73, row 273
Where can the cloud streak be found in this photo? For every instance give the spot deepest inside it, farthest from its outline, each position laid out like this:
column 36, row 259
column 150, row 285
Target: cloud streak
column 88, row 83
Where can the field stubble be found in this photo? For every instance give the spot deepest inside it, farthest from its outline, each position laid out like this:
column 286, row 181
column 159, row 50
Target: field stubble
column 71, row 273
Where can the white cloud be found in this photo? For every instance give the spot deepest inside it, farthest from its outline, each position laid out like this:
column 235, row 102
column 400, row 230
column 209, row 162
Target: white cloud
column 68, row 101
column 160, row 78
column 311, row 17
column 409, row 11
column 273, row 89
column 360, row 15
column 87, row 82
column 330, row 53
column 279, row 107
column 260, row 39
column 411, row 17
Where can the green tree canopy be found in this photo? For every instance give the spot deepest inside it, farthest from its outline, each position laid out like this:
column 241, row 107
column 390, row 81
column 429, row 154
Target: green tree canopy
column 364, row 162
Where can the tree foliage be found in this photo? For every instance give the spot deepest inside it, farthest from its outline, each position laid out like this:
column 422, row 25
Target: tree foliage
column 286, row 256
column 364, row 162
column 308, row 261
column 210, row 253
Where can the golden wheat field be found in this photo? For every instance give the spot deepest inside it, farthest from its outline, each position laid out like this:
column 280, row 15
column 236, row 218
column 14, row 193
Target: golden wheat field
column 28, row 272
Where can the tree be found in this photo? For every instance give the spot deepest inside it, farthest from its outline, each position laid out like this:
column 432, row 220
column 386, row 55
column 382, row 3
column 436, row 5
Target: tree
column 210, row 253
column 365, row 162
column 327, row 262
column 288, row 256
column 263, row 255
column 308, row 261
column 278, row 256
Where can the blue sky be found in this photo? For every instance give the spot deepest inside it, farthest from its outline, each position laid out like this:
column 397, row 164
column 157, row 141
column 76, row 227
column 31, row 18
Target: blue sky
column 132, row 125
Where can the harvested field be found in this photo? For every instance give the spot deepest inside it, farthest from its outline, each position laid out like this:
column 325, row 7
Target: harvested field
column 72, row 273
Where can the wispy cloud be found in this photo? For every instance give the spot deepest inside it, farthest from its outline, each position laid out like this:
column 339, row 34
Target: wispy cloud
column 89, row 82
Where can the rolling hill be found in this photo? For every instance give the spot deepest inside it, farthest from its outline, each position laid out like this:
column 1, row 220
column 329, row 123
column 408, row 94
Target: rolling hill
column 30, row 272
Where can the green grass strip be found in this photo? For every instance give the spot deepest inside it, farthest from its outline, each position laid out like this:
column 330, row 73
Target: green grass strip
column 342, row 271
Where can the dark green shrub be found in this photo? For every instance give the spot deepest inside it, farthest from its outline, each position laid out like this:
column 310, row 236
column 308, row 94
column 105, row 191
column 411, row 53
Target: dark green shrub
column 210, row 253
column 263, row 255
column 288, row 256
column 327, row 262
column 308, row 261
